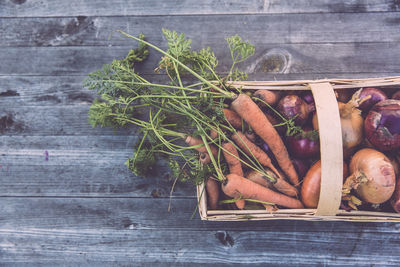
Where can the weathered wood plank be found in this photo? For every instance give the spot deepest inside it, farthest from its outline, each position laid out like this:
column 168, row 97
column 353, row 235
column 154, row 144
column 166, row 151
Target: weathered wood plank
column 36, row 8
column 43, row 91
column 52, row 121
column 88, row 181
column 279, row 28
column 78, row 166
column 88, row 143
column 279, row 58
column 80, row 230
column 68, row 90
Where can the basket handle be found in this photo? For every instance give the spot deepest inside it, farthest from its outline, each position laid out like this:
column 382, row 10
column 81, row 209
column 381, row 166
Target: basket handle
column 330, row 134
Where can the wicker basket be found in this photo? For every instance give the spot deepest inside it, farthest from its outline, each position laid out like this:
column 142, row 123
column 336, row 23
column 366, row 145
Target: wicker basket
column 331, row 156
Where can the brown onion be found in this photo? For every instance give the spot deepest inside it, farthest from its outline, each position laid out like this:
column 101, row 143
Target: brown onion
column 372, row 176
column 311, row 186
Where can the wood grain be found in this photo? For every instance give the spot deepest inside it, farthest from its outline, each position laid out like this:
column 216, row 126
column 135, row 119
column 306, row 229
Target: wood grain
column 281, row 58
column 37, row 8
column 118, row 230
column 79, row 166
column 277, row 28
column 78, row 205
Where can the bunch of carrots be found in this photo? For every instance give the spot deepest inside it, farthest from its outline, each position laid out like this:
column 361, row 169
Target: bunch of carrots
column 234, row 141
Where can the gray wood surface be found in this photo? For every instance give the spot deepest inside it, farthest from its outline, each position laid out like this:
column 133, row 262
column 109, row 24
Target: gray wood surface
column 98, row 229
column 280, row 58
column 66, row 197
column 37, row 8
column 276, row 28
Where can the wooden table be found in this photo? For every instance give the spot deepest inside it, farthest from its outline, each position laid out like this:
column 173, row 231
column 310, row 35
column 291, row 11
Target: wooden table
column 66, row 197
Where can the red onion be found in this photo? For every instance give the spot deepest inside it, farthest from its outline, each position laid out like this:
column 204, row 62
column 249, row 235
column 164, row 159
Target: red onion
column 309, row 99
column 396, row 95
column 291, row 106
column 375, row 95
column 305, row 145
column 301, row 166
column 382, row 125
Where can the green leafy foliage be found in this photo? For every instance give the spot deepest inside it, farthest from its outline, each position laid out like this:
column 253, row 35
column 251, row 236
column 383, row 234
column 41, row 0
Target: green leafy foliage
column 167, row 113
column 116, row 79
column 203, row 62
column 240, row 51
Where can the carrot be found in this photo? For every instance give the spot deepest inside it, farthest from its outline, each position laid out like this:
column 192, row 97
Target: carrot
column 212, row 189
column 270, row 208
column 233, row 118
column 261, row 180
column 252, row 114
column 256, row 177
column 232, row 159
column 281, row 185
column 193, row 141
column 213, row 134
column 269, row 97
column 236, row 186
column 240, row 203
column 253, row 150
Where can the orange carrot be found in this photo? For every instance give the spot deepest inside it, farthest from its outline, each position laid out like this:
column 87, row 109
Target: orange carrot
column 212, row 189
column 233, row 118
column 270, row 208
column 213, row 134
column 236, row 186
column 204, row 158
column 252, row 114
column 193, row 141
column 257, row 177
column 232, row 159
column 270, row 97
column 253, row 150
column 281, row 185
column 240, row 203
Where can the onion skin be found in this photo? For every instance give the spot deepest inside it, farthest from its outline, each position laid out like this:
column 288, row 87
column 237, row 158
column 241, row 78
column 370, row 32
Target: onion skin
column 382, row 125
column 292, row 105
column 309, row 99
column 352, row 124
column 376, row 94
column 379, row 173
column 311, row 186
column 303, row 146
column 301, row 166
